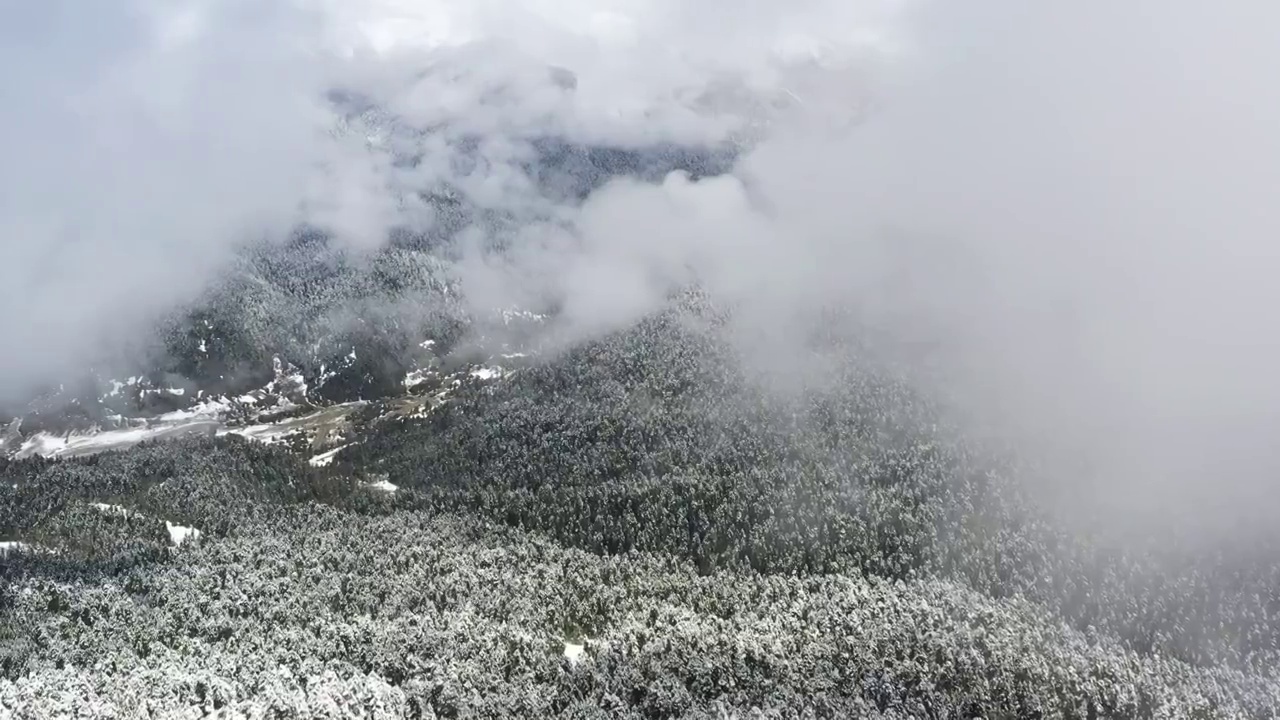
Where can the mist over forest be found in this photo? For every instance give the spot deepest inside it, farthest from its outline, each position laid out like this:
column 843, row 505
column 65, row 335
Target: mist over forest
column 639, row 359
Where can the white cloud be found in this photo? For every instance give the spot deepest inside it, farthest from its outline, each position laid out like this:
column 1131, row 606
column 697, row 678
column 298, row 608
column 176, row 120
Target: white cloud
column 1074, row 204
column 145, row 142
column 150, row 137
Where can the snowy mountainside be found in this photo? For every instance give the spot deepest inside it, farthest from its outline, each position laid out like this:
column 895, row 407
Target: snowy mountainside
column 623, row 359
column 633, row 526
column 331, row 486
column 287, row 409
column 331, row 480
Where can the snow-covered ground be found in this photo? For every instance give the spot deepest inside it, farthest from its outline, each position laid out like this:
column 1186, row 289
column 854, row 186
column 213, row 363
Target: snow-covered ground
column 89, row 443
column 487, row 373
column 111, row 509
column 179, row 534
column 12, row 546
column 325, row 458
column 273, row 413
column 206, row 418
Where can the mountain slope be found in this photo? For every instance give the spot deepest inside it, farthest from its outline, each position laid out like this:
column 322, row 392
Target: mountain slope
column 638, row 526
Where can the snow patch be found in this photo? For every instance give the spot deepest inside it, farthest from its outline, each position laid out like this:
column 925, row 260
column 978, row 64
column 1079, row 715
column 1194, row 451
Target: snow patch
column 202, row 417
column 179, row 392
column 42, row 444
column 321, row 421
column 264, row 433
column 205, row 417
column 325, row 375
column 487, row 373
column 179, row 534
column 415, row 378
column 79, row 444
column 512, row 315
column 110, row 509
column 325, row 458
column 206, row 410
column 13, row 546
column 573, row 652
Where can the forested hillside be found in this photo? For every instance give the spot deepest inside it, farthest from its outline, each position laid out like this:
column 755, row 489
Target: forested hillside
column 639, row 359
column 638, row 526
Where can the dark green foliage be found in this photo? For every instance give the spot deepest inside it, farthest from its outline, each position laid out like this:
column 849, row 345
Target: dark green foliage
column 722, row 542
column 655, row 440
column 210, row 484
column 312, row 304
column 452, row 616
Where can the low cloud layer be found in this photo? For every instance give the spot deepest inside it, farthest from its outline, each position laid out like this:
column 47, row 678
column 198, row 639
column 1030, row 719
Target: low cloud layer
column 141, row 141
column 1070, row 207
column 144, row 140
column 1072, row 204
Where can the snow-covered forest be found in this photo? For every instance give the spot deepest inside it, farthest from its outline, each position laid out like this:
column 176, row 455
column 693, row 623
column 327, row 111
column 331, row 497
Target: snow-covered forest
column 639, row 359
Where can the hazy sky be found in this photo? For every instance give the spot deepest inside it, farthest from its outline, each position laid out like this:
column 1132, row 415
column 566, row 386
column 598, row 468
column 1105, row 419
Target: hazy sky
column 142, row 139
column 1078, row 199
